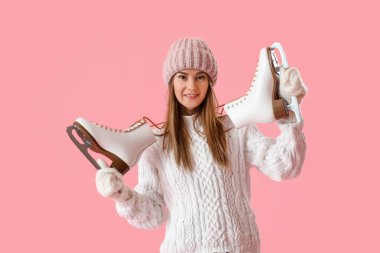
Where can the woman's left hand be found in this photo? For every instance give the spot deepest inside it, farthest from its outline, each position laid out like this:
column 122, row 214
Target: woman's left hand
column 291, row 84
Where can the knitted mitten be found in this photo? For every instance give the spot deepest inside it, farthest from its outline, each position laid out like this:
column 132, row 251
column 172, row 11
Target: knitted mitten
column 110, row 184
column 291, row 84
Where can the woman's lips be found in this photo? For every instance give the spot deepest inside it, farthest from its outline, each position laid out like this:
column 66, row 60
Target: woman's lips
column 191, row 96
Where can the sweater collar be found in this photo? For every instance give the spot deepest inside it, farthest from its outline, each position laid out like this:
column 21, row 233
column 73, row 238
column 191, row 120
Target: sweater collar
column 188, row 120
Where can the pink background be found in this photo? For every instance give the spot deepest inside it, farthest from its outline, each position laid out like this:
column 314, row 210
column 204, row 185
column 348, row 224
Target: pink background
column 64, row 59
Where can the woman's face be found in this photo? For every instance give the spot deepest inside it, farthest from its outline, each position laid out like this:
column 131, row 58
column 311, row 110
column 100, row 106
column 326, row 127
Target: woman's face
column 190, row 89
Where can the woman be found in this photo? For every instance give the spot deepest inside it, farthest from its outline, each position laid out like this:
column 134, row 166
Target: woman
column 196, row 176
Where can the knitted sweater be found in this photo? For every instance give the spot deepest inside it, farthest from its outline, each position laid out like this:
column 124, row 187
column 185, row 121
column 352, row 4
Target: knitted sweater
column 208, row 210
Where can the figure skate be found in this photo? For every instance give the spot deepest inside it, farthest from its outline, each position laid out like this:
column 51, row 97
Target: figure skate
column 262, row 103
column 123, row 147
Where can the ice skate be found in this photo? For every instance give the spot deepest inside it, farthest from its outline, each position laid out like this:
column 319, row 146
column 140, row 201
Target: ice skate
column 123, row 147
column 262, row 103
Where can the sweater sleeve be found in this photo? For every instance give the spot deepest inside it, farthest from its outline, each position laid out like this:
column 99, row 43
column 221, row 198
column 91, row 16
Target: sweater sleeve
column 145, row 207
column 278, row 158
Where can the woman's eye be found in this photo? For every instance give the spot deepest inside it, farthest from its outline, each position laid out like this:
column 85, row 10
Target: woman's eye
column 181, row 77
column 201, row 77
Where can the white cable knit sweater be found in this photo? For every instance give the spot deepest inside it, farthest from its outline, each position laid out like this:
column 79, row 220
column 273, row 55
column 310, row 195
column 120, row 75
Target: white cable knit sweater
column 208, row 210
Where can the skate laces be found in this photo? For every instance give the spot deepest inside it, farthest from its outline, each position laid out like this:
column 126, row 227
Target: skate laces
column 253, row 80
column 153, row 124
column 244, row 97
column 108, row 128
column 277, row 66
column 132, row 127
column 135, row 125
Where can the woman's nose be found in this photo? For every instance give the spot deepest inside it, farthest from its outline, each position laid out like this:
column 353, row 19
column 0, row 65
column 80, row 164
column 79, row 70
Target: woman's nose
column 191, row 82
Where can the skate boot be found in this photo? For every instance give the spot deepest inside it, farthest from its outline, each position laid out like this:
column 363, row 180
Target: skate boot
column 262, row 103
column 123, row 147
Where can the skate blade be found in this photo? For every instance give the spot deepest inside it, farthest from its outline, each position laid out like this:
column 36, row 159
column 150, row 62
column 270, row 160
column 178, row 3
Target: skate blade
column 90, row 143
column 294, row 106
column 279, row 107
column 284, row 59
column 83, row 147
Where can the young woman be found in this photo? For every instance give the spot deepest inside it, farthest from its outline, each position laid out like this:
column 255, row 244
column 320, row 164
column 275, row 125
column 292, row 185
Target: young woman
column 196, row 176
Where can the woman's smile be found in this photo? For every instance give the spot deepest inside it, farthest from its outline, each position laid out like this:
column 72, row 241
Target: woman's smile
column 191, row 96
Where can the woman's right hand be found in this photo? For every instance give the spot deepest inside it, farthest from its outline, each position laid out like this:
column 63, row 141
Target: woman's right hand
column 110, row 184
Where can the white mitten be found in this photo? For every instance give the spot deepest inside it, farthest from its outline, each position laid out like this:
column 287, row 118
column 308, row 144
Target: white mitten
column 110, row 184
column 291, row 84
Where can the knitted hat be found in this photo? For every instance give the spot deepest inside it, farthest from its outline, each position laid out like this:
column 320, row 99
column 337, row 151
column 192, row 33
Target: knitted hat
column 190, row 53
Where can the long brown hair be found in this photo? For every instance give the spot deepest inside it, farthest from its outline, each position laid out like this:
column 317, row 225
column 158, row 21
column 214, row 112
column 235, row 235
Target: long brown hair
column 177, row 138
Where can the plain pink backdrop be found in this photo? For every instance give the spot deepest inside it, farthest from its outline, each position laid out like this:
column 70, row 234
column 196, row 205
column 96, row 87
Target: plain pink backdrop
column 103, row 60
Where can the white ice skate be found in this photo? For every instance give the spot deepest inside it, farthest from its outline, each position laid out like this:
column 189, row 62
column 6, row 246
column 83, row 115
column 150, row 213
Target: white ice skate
column 123, row 147
column 262, row 103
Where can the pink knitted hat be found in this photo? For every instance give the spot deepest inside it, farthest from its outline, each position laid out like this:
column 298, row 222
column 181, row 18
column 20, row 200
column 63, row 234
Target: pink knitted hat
column 190, row 53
